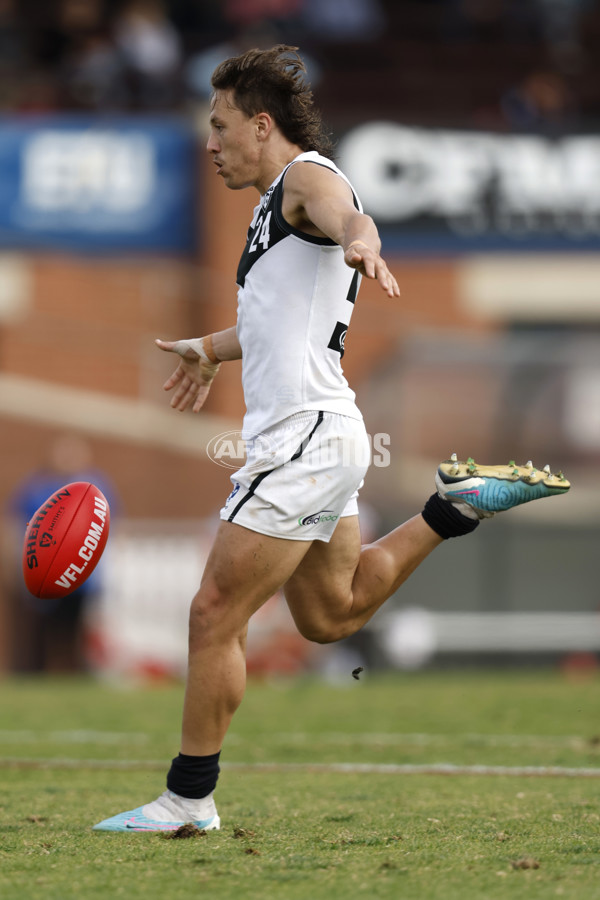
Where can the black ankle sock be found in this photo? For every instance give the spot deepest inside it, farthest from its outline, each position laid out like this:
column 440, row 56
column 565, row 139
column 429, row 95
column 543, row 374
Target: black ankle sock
column 193, row 776
column 445, row 519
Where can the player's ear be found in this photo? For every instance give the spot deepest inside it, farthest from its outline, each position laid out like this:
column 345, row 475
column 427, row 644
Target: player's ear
column 263, row 125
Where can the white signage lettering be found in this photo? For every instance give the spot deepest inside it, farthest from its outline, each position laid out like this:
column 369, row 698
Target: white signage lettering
column 476, row 182
column 80, row 171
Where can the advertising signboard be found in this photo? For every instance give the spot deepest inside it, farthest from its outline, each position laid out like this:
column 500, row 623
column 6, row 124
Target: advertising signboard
column 464, row 191
column 92, row 185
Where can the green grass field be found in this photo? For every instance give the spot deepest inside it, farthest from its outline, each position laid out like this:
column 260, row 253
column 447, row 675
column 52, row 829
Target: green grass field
column 296, row 824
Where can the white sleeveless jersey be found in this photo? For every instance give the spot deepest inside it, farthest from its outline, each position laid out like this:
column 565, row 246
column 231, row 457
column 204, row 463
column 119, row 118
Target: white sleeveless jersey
column 295, row 300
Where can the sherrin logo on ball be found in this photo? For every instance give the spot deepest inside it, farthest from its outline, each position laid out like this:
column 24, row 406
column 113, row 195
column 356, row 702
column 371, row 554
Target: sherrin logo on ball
column 65, row 539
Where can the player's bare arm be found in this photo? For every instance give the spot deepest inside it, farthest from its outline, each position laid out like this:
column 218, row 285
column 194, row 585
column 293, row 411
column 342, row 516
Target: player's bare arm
column 200, row 360
column 319, row 202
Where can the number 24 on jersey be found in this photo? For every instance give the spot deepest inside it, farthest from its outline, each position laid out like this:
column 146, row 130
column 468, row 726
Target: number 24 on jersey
column 262, row 233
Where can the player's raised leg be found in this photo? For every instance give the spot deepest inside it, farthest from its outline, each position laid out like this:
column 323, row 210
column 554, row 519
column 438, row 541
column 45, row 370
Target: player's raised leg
column 338, row 586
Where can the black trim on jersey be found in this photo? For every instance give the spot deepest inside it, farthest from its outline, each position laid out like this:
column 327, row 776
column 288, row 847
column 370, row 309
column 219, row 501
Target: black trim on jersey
column 315, row 163
column 257, row 244
column 271, row 211
column 285, row 225
column 337, row 339
column 353, row 289
column 263, row 475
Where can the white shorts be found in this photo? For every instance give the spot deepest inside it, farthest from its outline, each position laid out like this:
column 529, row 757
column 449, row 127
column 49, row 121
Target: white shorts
column 301, row 476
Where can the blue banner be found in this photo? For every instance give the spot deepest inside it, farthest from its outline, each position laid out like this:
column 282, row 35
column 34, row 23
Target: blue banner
column 91, row 185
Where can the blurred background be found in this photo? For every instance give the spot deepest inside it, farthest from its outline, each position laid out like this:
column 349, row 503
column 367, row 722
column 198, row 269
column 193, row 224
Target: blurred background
column 471, row 130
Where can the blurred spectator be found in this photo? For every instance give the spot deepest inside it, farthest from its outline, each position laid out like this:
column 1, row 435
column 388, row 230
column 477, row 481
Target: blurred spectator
column 561, row 28
column 93, row 76
column 77, row 16
column 36, row 92
column 12, row 37
column 55, row 34
column 72, row 22
column 542, row 102
column 201, row 65
column 492, row 21
column 244, row 14
column 149, row 55
column 199, row 24
column 13, row 54
column 344, row 20
column 48, row 635
column 151, row 50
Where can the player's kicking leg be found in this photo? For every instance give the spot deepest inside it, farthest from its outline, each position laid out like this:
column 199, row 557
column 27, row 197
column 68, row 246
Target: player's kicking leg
column 339, row 586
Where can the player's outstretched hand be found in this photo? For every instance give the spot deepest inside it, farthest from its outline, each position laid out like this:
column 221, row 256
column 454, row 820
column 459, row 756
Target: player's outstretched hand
column 372, row 265
column 193, row 376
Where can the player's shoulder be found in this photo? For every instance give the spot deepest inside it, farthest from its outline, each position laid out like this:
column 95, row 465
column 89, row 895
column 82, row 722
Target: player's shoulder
column 311, row 162
column 311, row 172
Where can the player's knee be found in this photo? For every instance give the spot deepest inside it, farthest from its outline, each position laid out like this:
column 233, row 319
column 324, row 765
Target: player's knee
column 323, row 631
column 208, row 618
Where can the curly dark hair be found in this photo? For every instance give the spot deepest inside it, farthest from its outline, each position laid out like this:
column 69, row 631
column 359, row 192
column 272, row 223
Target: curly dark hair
column 272, row 81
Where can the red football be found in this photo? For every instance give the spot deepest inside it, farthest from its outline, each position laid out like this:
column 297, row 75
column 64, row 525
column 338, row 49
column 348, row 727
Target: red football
column 65, row 539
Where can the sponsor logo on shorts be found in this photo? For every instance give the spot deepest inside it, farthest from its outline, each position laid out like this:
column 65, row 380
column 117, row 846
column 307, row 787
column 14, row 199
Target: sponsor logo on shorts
column 324, row 515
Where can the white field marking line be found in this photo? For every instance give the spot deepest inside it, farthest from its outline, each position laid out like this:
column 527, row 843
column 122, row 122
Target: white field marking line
column 94, row 736
column 325, row 768
column 424, row 739
column 79, row 736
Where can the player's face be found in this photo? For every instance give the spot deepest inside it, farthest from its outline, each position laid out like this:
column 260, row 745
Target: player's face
column 232, row 142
